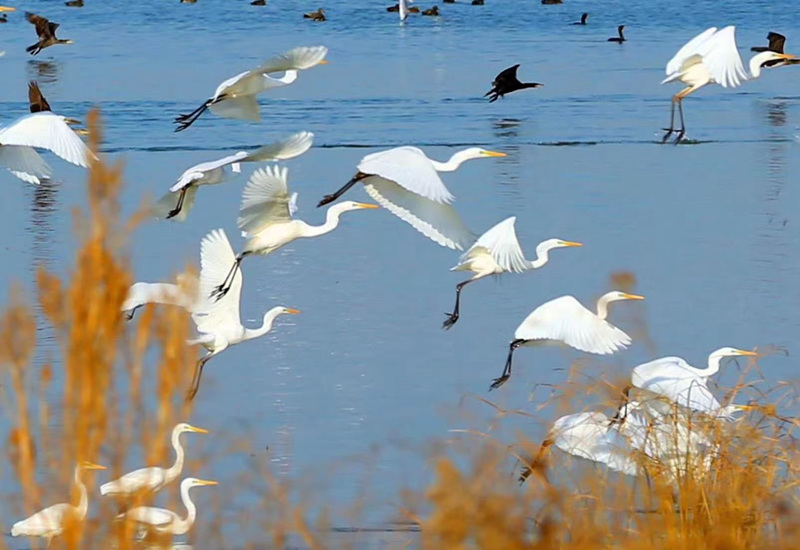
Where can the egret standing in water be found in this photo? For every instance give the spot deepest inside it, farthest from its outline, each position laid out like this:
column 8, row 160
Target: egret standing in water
column 50, row 522
column 507, row 82
column 266, row 220
column 498, row 251
column 711, row 57
column 406, row 182
column 565, row 320
column 236, row 97
column 166, row 522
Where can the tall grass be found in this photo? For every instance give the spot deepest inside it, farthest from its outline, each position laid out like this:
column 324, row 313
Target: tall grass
column 95, row 402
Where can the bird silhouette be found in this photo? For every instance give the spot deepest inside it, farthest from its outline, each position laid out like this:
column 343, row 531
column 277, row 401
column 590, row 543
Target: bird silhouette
column 507, row 82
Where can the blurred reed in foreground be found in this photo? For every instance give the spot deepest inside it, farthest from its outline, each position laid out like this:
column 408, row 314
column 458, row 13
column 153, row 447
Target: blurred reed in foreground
column 117, row 389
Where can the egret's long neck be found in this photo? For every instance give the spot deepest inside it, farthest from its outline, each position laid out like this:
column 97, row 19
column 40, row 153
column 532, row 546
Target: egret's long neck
column 602, row 306
column 452, row 165
column 175, row 470
column 713, row 365
column 183, row 525
column 331, row 222
column 83, row 500
column 265, row 327
column 542, row 257
column 756, row 61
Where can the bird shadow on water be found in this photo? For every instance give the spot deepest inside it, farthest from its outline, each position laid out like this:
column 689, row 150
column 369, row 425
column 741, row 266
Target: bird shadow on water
column 43, row 71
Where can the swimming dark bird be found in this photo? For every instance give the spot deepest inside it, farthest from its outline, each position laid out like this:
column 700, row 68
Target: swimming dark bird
column 584, row 17
column 433, row 11
column 318, row 15
column 258, row 3
column 188, row 1
column 449, row 1
column 776, row 44
column 551, row 2
column 477, row 2
column 507, row 82
column 619, row 39
column 3, row 18
column 74, row 4
column 396, row 8
column 46, row 31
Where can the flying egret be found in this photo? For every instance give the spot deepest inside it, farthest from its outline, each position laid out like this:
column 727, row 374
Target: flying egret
column 46, row 31
column 236, row 97
column 711, row 57
column 218, row 321
column 498, row 251
column 37, row 104
column 154, row 478
column 406, row 182
column 161, row 521
column 675, row 379
column 50, row 522
column 177, row 203
column 184, row 294
column 506, row 82
column 265, row 218
column 43, row 130
column 565, row 320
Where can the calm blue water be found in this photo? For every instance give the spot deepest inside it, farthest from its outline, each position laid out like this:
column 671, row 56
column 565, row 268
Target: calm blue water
column 351, row 392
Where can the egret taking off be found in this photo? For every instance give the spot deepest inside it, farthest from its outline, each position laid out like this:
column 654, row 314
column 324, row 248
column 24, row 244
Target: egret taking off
column 406, row 182
column 711, row 57
column 50, row 522
column 155, row 478
column 43, row 130
column 177, row 203
column 498, row 251
column 675, row 379
column 166, row 522
column 236, row 97
column 183, row 294
column 266, row 220
column 218, row 321
column 565, row 320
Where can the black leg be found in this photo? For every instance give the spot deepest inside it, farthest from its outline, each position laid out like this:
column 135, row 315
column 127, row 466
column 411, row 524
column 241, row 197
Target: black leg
column 617, row 417
column 497, row 382
column 683, row 125
column 223, row 288
column 452, row 318
column 184, row 121
column 330, row 198
column 131, row 313
column 671, row 123
column 198, row 373
column 177, row 210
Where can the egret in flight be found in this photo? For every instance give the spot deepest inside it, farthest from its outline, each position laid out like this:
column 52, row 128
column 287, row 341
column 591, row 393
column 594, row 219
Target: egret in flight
column 498, row 251
column 266, row 220
column 177, row 203
column 406, row 182
column 166, row 522
column 183, row 294
column 507, row 82
column 236, row 97
column 43, row 130
column 218, row 321
column 50, row 522
column 711, row 57
column 154, row 478
column 678, row 381
column 565, row 320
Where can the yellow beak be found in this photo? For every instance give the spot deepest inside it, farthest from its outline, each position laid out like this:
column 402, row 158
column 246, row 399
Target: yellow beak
column 494, row 154
column 570, row 243
column 365, row 205
column 197, row 430
column 206, row 482
column 291, row 311
column 786, row 56
column 6, row 8
column 323, row 62
column 92, row 466
column 632, row 296
column 747, row 353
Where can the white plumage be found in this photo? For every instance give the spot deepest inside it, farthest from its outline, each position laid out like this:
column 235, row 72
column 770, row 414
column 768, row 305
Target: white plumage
column 43, row 130
column 183, row 294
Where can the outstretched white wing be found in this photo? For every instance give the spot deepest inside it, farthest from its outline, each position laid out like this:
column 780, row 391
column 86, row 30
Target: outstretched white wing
column 45, row 130
column 501, row 242
column 589, row 435
column 265, row 199
column 721, row 58
column 240, row 108
column 688, row 50
column 169, row 202
column 437, row 221
column 564, row 319
column 198, row 172
column 409, row 168
column 296, row 59
column 216, row 260
column 25, row 163
column 293, row 146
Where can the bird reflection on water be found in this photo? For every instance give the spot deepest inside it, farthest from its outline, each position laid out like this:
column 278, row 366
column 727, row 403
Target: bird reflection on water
column 43, row 71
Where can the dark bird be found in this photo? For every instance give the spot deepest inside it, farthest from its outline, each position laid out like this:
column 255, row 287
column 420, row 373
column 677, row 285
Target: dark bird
column 4, row 18
column 433, row 11
column 258, row 3
column 188, row 1
column 449, row 1
column 619, row 39
column 318, row 15
column 74, row 4
column 38, row 104
column 46, row 32
column 776, row 44
column 396, row 8
column 507, row 82
column 551, row 2
column 477, row 2
column 584, row 17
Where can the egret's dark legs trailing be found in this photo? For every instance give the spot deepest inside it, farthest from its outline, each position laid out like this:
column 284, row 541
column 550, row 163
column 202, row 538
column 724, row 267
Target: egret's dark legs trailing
column 198, row 373
column 452, row 318
column 330, row 198
column 131, row 313
column 223, row 288
column 177, row 210
column 497, row 382
column 184, row 121
column 624, row 401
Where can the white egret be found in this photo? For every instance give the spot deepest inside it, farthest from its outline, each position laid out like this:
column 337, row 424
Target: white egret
column 50, row 522
column 711, row 57
column 565, row 320
column 177, row 203
column 675, row 379
column 403, row 9
column 236, row 97
column 265, row 218
column 406, row 182
column 161, row 521
column 498, row 251
column 43, row 130
column 218, row 321
column 154, row 478
column 183, row 294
